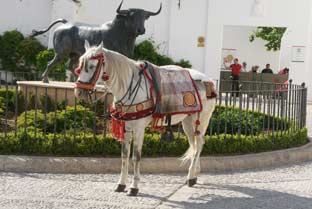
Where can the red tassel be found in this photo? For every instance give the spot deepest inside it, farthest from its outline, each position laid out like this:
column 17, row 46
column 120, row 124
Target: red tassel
column 77, row 71
column 197, row 122
column 118, row 129
column 197, row 133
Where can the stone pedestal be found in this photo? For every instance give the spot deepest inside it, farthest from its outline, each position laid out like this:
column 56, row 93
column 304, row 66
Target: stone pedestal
column 57, row 91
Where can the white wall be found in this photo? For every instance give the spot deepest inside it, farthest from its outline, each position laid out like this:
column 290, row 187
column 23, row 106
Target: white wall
column 186, row 25
column 25, row 15
column 295, row 15
column 253, row 53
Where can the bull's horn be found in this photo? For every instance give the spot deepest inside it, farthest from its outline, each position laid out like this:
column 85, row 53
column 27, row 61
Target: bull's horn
column 154, row 13
column 121, row 12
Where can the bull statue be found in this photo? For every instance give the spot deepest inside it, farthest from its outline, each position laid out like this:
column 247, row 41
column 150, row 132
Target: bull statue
column 117, row 35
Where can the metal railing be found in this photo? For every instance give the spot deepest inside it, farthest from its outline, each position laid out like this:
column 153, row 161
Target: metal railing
column 255, row 109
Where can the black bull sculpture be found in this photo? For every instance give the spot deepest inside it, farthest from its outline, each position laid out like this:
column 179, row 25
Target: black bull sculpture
column 118, row 35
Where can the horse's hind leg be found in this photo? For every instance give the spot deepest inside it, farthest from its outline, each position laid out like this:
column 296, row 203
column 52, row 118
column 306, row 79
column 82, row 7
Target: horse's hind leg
column 204, row 122
column 200, row 141
column 196, row 144
column 191, row 153
column 57, row 59
column 137, row 151
column 125, row 153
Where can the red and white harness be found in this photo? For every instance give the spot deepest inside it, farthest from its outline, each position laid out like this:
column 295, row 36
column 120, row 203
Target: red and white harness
column 91, row 84
column 122, row 112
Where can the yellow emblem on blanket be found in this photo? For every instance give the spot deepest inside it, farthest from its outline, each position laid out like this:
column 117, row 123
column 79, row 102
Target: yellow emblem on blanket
column 139, row 107
column 189, row 99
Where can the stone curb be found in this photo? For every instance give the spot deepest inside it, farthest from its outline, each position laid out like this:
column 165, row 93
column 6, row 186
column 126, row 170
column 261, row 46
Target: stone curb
column 9, row 163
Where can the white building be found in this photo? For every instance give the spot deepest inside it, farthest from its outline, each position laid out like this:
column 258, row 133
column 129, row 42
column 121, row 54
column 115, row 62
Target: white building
column 224, row 24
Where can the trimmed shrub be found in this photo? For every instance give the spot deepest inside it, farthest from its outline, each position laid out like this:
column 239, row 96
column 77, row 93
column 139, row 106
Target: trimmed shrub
column 2, row 105
column 88, row 145
column 10, row 94
column 58, row 121
column 230, row 120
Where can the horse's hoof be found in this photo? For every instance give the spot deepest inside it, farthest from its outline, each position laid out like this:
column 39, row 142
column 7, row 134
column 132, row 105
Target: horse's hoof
column 120, row 188
column 191, row 182
column 133, row 192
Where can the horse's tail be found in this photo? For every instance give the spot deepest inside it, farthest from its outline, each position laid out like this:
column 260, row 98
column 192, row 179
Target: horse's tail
column 193, row 149
column 188, row 155
column 36, row 33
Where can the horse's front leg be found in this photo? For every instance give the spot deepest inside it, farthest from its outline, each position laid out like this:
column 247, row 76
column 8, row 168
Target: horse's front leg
column 136, row 158
column 125, row 153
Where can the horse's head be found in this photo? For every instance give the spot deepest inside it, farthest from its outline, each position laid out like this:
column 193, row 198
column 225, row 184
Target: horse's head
column 91, row 68
column 134, row 19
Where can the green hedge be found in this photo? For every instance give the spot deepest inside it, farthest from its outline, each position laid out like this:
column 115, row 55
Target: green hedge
column 10, row 96
column 230, row 119
column 58, row 121
column 87, row 145
column 224, row 119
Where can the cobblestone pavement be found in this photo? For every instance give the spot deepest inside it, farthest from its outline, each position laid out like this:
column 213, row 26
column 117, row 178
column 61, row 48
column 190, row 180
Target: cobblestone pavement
column 288, row 187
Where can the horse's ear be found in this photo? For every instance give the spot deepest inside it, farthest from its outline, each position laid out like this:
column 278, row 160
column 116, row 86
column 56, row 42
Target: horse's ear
column 101, row 45
column 86, row 45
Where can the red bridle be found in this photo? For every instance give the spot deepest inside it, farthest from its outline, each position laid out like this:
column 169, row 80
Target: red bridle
column 91, row 84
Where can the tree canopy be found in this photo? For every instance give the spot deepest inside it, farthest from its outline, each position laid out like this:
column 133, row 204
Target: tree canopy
column 272, row 35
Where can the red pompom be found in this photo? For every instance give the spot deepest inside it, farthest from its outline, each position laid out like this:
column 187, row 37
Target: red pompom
column 105, row 77
column 77, row 71
column 197, row 122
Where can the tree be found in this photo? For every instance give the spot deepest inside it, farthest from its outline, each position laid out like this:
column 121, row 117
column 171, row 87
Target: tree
column 8, row 49
column 42, row 60
column 272, row 35
column 18, row 53
column 147, row 50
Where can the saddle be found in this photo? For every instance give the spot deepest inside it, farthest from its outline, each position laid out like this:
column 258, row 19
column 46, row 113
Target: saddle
column 172, row 91
column 175, row 93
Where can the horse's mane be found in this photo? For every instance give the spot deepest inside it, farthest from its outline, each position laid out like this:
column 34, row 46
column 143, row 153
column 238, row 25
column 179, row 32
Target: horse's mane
column 121, row 65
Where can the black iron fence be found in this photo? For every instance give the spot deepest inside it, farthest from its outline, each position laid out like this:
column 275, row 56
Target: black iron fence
column 50, row 112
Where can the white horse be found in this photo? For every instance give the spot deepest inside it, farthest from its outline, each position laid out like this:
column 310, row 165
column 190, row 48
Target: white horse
column 118, row 73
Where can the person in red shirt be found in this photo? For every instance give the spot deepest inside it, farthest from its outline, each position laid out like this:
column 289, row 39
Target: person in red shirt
column 236, row 69
column 284, row 71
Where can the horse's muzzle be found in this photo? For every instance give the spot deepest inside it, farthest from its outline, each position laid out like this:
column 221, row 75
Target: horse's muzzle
column 81, row 93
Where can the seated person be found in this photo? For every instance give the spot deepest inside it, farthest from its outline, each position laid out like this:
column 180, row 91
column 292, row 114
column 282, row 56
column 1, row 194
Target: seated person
column 284, row 71
column 267, row 69
column 254, row 69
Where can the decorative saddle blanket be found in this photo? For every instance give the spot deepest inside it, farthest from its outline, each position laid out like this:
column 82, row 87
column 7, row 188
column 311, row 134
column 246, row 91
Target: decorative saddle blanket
column 176, row 91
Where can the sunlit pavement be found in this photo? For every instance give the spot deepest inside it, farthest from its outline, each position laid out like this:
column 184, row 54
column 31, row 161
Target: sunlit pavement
column 272, row 188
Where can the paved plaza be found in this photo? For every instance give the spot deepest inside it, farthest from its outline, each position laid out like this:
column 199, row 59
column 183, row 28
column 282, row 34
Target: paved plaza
column 287, row 187
column 276, row 188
